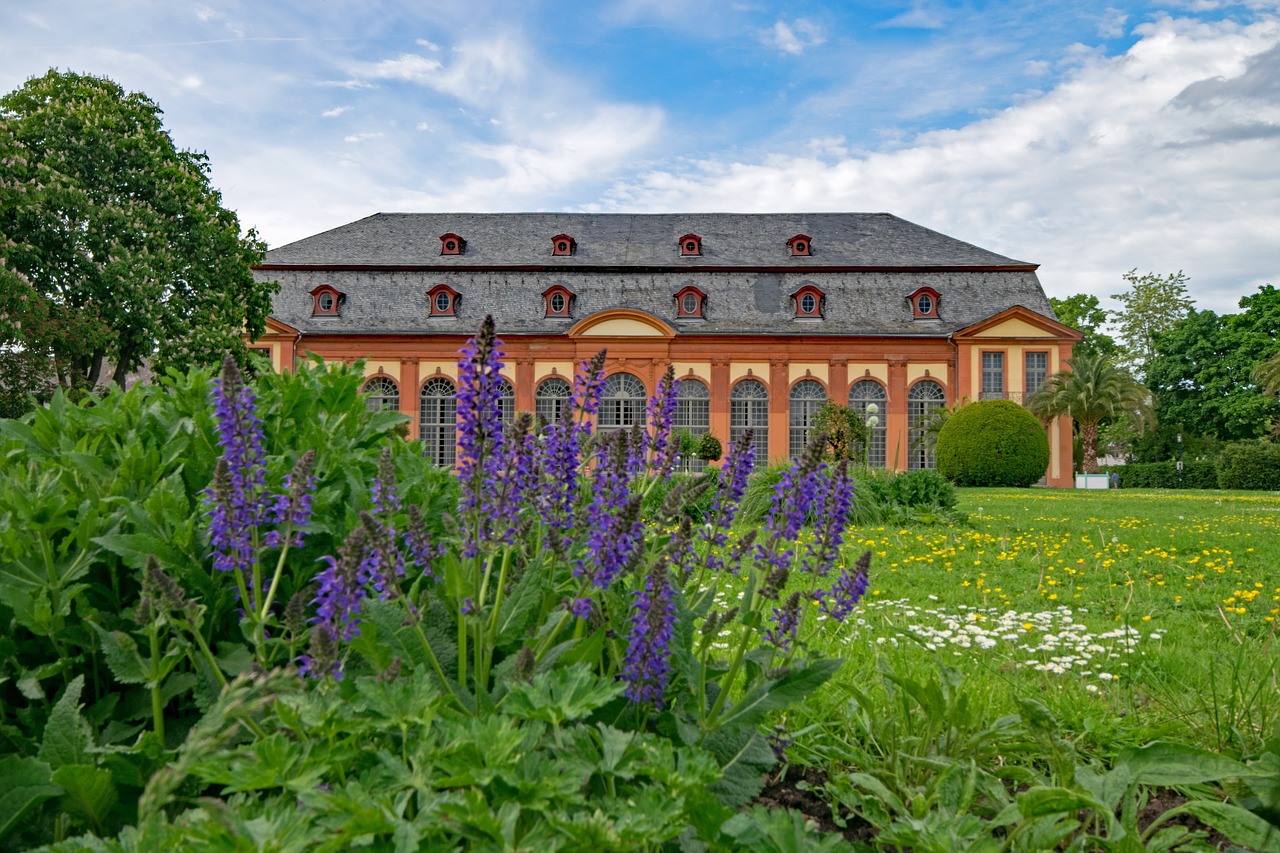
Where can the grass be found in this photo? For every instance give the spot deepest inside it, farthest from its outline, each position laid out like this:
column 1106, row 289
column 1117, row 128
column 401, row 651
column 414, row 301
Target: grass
column 1131, row 615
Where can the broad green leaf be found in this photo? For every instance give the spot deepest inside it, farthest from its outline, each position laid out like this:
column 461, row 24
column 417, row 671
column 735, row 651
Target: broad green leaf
column 794, row 687
column 1243, row 827
column 745, row 758
column 561, row 695
column 26, row 784
column 121, row 653
column 90, row 791
column 1167, row 764
column 1042, row 802
column 67, row 737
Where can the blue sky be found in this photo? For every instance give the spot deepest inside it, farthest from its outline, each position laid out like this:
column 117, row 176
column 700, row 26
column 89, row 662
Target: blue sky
column 1089, row 137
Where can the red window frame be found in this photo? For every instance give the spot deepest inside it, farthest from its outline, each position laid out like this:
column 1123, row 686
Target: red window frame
column 433, row 295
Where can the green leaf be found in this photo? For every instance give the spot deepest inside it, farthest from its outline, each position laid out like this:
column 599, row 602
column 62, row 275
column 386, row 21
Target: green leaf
column 27, row 783
column 67, row 737
column 794, row 687
column 1169, row 764
column 121, row 653
column 561, row 695
column 745, row 757
column 90, row 791
column 1243, row 827
column 1045, row 801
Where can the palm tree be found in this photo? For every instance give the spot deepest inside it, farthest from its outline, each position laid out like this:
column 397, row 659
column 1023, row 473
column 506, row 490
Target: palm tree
column 1267, row 375
column 1093, row 390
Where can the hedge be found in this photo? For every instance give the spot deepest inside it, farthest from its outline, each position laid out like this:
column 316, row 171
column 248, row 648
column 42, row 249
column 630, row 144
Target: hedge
column 1164, row 475
column 1250, row 465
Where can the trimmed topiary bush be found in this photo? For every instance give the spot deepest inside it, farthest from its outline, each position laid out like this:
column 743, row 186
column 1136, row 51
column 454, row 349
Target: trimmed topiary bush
column 1250, row 465
column 992, row 443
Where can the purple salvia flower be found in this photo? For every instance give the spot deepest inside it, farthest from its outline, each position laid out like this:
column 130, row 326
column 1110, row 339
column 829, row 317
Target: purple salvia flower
column 383, row 489
column 613, row 516
column 727, row 497
column 416, row 540
column 293, row 506
column 832, row 512
column 662, row 416
column 560, row 452
column 848, row 589
column 647, row 666
column 786, row 622
column 794, row 499
column 238, row 502
column 480, row 435
column 581, row 607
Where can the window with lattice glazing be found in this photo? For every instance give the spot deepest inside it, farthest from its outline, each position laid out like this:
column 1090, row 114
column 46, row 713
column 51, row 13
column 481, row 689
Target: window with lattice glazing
column 863, row 393
column 992, row 376
column 551, row 398
column 506, row 400
column 924, row 398
column 381, row 392
column 749, row 409
column 1036, row 372
column 437, row 421
column 807, row 397
column 621, row 403
column 693, row 415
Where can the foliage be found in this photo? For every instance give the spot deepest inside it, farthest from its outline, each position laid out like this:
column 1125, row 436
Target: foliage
column 923, row 496
column 1082, row 312
column 1151, row 306
column 115, row 245
column 992, row 443
column 1203, row 368
column 1250, row 465
column 1267, row 374
column 1092, row 391
column 846, row 432
column 1162, row 444
column 1165, row 475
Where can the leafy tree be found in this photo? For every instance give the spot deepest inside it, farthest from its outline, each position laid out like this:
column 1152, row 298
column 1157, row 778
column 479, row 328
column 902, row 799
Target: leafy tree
column 1092, row 391
column 1267, row 375
column 115, row 247
column 1203, row 370
column 1153, row 304
column 1082, row 312
column 846, row 432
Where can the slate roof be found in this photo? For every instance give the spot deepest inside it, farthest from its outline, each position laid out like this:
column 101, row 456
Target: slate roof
column 865, row 263
column 637, row 240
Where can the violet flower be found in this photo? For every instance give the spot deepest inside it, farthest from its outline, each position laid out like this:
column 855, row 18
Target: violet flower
column 727, row 498
column 480, row 435
column 613, row 518
column 786, row 622
column 560, row 452
column 662, row 415
column 848, row 589
column 647, row 667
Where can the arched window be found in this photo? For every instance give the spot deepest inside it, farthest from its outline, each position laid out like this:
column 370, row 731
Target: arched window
column 506, row 400
column 693, row 415
column 749, row 409
column 621, row 402
column 551, row 399
column 924, row 398
column 381, row 393
column 863, row 393
column 807, row 397
column 438, row 421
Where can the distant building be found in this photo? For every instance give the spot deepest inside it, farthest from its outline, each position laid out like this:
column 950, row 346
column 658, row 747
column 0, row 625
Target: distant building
column 764, row 317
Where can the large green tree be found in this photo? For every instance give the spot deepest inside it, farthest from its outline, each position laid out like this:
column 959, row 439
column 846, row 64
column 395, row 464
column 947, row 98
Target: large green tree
column 1094, row 390
column 1082, row 312
column 114, row 248
column 1152, row 305
column 1203, row 372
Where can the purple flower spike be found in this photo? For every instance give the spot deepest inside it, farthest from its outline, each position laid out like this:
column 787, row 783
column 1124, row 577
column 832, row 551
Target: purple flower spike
column 848, row 589
column 647, row 666
column 662, row 415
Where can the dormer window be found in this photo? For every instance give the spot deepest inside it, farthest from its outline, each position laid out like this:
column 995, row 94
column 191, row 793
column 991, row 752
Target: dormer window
column 808, row 302
column 689, row 303
column 924, row 303
column 563, row 244
column 443, row 300
column 559, row 301
column 691, row 244
column 452, row 244
column 800, row 246
column 327, row 301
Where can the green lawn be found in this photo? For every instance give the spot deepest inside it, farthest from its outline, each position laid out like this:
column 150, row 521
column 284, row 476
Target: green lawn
column 1134, row 615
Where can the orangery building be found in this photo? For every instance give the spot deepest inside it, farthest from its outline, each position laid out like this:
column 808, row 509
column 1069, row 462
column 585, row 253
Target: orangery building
column 763, row 316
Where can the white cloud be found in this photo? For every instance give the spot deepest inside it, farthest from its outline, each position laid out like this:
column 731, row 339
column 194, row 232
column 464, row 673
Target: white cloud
column 920, row 17
column 1111, row 25
column 1149, row 160
column 335, row 112
column 795, row 38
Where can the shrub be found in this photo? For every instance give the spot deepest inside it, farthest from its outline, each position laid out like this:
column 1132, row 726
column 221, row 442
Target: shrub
column 1164, row 475
column 992, row 443
column 1250, row 465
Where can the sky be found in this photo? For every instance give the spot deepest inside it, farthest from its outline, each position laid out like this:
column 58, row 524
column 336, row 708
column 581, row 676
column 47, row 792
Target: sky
column 1092, row 138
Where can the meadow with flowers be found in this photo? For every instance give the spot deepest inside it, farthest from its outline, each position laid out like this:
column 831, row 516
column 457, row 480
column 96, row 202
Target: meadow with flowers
column 244, row 614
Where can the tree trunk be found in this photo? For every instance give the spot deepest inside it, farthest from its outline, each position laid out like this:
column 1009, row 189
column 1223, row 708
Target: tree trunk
column 121, row 372
column 1089, row 444
column 95, row 369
